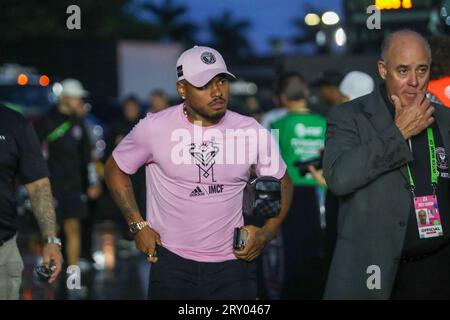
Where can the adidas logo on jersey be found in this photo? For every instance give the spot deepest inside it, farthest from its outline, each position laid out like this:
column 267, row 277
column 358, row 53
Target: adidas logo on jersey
column 197, row 192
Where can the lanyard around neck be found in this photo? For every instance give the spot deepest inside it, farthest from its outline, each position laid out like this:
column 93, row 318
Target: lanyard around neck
column 433, row 163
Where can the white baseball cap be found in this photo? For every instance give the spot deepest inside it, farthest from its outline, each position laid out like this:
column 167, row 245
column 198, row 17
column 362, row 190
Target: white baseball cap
column 73, row 88
column 199, row 65
column 356, row 84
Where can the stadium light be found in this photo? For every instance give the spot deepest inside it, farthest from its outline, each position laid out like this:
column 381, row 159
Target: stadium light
column 340, row 37
column 330, row 18
column 312, row 19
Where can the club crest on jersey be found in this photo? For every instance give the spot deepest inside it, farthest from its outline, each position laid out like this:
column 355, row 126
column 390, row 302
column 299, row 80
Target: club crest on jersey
column 204, row 155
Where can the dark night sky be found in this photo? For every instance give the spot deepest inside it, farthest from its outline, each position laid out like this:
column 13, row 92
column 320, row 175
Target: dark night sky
column 269, row 18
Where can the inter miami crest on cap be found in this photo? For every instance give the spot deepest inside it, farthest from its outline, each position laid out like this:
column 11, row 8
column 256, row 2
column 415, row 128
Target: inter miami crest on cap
column 199, row 65
column 208, row 58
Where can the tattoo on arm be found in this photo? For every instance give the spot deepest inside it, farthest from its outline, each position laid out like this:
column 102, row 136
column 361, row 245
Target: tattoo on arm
column 126, row 201
column 41, row 198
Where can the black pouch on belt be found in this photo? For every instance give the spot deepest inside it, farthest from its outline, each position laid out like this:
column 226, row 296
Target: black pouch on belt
column 262, row 197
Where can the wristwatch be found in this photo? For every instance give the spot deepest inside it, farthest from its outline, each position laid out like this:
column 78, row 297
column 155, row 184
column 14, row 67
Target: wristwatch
column 54, row 240
column 137, row 226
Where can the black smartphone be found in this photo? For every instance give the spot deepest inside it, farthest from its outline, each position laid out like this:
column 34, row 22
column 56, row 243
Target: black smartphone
column 240, row 238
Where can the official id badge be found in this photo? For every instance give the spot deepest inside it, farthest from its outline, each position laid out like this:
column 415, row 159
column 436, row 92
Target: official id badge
column 428, row 218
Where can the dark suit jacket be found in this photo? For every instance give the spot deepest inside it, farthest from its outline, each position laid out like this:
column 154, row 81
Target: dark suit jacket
column 365, row 165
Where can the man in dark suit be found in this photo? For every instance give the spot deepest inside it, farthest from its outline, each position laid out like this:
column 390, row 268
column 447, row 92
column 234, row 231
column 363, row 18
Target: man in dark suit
column 386, row 157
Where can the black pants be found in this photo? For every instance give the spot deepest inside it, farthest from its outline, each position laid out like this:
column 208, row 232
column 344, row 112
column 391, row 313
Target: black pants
column 304, row 276
column 424, row 279
column 176, row 278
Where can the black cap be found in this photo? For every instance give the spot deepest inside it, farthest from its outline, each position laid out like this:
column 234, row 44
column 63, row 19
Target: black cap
column 329, row 78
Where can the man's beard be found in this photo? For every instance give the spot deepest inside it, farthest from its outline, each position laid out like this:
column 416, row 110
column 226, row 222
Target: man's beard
column 214, row 117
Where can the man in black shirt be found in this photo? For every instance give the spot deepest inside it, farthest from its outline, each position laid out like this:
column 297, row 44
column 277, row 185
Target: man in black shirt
column 386, row 158
column 66, row 142
column 21, row 157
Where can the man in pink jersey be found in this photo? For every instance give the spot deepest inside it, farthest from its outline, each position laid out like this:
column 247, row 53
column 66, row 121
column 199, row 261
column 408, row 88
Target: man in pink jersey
column 197, row 156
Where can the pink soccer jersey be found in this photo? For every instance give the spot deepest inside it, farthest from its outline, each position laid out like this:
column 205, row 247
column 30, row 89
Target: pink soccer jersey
column 196, row 175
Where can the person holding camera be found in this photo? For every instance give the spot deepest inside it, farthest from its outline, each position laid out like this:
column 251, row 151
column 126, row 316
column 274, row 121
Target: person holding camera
column 195, row 186
column 301, row 134
column 21, row 157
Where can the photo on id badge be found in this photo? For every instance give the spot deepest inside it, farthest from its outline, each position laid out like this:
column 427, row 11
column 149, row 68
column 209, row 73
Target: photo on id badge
column 427, row 215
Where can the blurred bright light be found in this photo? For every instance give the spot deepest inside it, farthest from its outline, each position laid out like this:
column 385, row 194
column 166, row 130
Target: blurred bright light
column 109, row 251
column 407, row 4
column 447, row 21
column 57, row 89
column 98, row 130
column 312, row 19
column 340, row 37
column 321, row 38
column 330, row 18
column 252, row 88
column 100, row 144
column 443, row 12
column 388, row 4
column 99, row 260
column 393, row 4
column 44, row 80
column 22, row 79
column 241, row 87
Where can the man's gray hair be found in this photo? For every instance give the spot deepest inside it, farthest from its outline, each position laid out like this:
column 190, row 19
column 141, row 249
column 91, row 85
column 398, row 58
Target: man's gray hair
column 388, row 41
